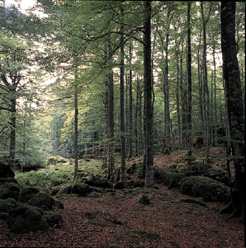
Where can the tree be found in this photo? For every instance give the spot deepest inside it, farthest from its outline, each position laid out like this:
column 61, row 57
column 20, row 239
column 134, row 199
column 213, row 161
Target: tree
column 235, row 109
column 148, row 90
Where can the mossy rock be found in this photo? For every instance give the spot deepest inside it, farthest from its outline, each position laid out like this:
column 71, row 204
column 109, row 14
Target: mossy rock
column 26, row 218
column 4, row 216
column 82, row 189
column 175, row 179
column 119, row 185
column 6, row 206
column 58, row 204
column 219, row 175
column 138, row 184
column 94, row 194
column 53, row 219
column 207, row 188
column 66, row 190
column 195, row 169
column 27, row 193
column 10, row 190
column 98, row 182
column 159, row 175
column 144, row 199
column 5, row 170
column 42, row 200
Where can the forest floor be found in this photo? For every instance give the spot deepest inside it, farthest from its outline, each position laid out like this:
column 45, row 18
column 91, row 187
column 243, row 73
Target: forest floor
column 116, row 219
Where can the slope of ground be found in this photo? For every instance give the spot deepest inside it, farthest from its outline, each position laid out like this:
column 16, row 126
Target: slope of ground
column 116, row 219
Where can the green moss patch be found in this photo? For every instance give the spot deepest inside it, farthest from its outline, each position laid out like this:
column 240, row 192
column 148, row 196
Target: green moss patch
column 10, row 190
column 26, row 218
column 144, row 199
column 42, row 200
column 53, row 219
column 207, row 188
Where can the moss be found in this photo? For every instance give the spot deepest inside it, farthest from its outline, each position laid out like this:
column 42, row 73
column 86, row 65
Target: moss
column 4, row 216
column 26, row 218
column 139, row 184
column 27, row 193
column 66, row 190
column 53, row 219
column 82, row 189
column 10, row 190
column 119, row 185
column 58, row 204
column 6, row 206
column 204, row 187
column 159, row 175
column 144, row 199
column 175, row 179
column 219, row 175
column 42, row 200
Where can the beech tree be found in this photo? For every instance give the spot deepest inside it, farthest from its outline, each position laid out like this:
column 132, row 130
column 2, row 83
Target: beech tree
column 234, row 100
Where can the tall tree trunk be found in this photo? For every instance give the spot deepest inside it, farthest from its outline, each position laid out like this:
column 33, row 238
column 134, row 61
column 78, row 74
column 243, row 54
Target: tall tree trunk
column 122, row 112
column 234, row 100
column 110, row 122
column 76, row 112
column 206, row 101
column 148, row 89
column 13, row 130
column 130, row 105
column 136, row 124
column 189, row 99
column 183, row 91
column 177, row 92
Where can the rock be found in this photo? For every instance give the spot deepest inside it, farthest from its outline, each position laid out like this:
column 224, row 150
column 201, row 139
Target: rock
column 27, row 193
column 53, row 219
column 144, row 199
column 58, row 204
column 4, row 216
column 42, row 200
column 5, row 170
column 6, row 206
column 207, row 188
column 175, row 179
column 82, row 189
column 66, row 190
column 159, row 175
column 119, row 185
column 98, row 182
column 26, row 218
column 10, row 190
column 138, row 184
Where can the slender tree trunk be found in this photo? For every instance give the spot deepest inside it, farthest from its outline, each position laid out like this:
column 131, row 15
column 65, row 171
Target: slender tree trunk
column 76, row 112
column 130, row 106
column 13, row 130
column 136, row 126
column 234, row 100
column 148, row 89
column 189, row 99
column 122, row 112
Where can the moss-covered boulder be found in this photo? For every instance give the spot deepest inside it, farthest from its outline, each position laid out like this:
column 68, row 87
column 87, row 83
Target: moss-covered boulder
column 192, row 169
column 207, row 188
column 144, row 199
column 6, row 205
column 26, row 218
column 138, row 184
column 92, row 180
column 5, row 170
column 10, row 190
column 159, row 175
column 58, row 204
column 27, row 193
column 219, row 175
column 53, row 219
column 175, row 179
column 82, row 189
column 42, row 200
column 119, row 185
column 66, row 190
column 4, row 216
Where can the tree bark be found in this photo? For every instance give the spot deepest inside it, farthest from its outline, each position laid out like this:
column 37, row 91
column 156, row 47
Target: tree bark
column 148, row 89
column 234, row 100
column 189, row 99
column 122, row 112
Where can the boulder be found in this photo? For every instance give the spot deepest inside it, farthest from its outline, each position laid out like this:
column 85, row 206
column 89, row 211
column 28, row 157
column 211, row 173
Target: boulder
column 138, row 184
column 82, row 189
column 10, row 190
column 27, row 193
column 42, row 200
column 5, row 170
column 6, row 205
column 26, row 218
column 53, row 219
